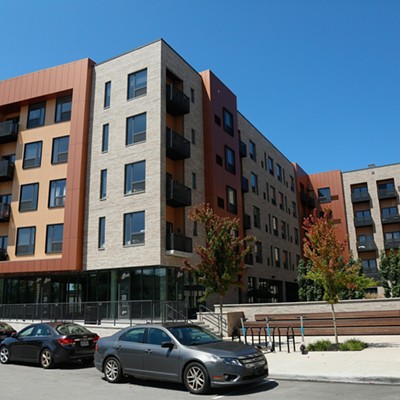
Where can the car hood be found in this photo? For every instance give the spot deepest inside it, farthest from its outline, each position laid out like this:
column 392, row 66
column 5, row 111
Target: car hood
column 227, row 349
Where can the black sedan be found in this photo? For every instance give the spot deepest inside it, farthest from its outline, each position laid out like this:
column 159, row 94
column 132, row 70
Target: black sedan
column 181, row 353
column 49, row 343
column 6, row 330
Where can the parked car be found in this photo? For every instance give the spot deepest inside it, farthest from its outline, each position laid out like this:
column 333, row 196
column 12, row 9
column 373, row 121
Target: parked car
column 49, row 343
column 6, row 331
column 179, row 352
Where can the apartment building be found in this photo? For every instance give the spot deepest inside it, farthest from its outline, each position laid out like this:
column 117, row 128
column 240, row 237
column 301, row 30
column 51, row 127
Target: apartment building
column 372, row 209
column 44, row 119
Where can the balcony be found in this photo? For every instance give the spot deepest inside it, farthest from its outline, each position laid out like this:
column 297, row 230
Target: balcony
column 372, row 273
column 8, row 131
column 6, row 170
column 242, row 149
column 387, row 193
column 4, row 212
column 307, row 200
column 392, row 244
column 363, row 221
column 3, row 255
column 360, row 197
column 178, row 243
column 390, row 219
column 245, row 184
column 178, row 195
column 178, row 148
column 369, row 245
column 246, row 221
column 177, row 101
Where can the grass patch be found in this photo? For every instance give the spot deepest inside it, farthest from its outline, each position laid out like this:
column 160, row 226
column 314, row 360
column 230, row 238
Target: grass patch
column 327, row 345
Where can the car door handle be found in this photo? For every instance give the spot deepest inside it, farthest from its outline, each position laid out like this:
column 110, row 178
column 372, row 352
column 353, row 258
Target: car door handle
column 148, row 351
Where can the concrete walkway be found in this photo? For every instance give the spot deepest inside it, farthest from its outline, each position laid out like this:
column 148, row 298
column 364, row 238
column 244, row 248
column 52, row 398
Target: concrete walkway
column 379, row 363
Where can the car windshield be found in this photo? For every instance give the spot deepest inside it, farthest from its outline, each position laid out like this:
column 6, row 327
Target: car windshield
column 3, row 325
column 72, row 329
column 193, row 335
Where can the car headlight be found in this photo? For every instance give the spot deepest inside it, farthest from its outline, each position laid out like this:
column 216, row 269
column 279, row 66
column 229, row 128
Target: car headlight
column 232, row 361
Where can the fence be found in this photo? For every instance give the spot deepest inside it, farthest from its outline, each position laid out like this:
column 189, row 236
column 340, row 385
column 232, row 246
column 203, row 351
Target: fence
column 98, row 312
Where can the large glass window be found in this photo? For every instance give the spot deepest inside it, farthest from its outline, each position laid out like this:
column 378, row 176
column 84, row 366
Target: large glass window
column 137, row 84
column 324, row 195
column 134, row 225
column 135, row 177
column 228, row 122
column 107, row 94
column 32, row 155
column 60, row 150
column 54, row 238
column 25, row 241
column 230, row 164
column 63, row 109
column 231, row 200
column 103, row 184
column 136, row 129
column 28, row 197
column 57, row 193
column 36, row 115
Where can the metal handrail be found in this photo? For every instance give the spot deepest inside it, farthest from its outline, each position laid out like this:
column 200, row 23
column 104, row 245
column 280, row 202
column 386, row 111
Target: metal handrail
column 212, row 317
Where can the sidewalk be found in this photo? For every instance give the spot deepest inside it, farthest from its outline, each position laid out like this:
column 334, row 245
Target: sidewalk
column 379, row 363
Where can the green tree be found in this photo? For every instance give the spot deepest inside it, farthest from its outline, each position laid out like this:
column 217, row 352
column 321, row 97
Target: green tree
column 222, row 256
column 329, row 267
column 309, row 290
column 390, row 273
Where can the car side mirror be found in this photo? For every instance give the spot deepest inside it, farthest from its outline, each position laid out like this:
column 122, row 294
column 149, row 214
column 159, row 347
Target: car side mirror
column 167, row 345
column 14, row 335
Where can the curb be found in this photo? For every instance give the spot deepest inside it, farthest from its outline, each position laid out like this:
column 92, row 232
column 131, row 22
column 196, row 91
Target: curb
column 376, row 380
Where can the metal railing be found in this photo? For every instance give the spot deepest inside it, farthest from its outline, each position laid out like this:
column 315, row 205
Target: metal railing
column 212, row 319
column 108, row 312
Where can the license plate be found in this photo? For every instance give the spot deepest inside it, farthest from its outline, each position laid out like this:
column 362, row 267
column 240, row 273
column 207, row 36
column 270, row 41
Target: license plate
column 84, row 343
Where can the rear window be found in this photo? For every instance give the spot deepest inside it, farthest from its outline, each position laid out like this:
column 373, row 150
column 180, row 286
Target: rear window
column 72, row 329
column 5, row 326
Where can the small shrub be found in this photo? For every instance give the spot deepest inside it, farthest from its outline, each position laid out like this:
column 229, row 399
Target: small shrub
column 320, row 345
column 327, row 345
column 353, row 345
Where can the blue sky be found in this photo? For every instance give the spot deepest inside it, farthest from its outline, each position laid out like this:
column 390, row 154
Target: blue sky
column 319, row 78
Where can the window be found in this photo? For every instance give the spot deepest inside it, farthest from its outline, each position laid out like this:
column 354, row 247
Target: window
column 277, row 257
column 136, row 129
column 104, row 143
column 259, row 252
column 369, row 268
column 63, row 109
column 157, row 336
column 228, row 122
column 218, row 159
column 134, row 228
column 102, row 232
column 254, row 183
column 392, row 240
column 283, row 230
column 388, row 212
column 273, row 196
column 135, row 335
column 103, row 184
column 194, row 181
column 36, row 115
column 5, row 198
column 324, row 195
column 279, row 172
column 195, row 228
column 137, row 84
column 281, row 201
column 231, row 200
column 220, row 202
column 252, row 151
column 230, row 164
column 294, row 208
column 256, row 217
column 275, row 226
column 25, row 241
column 271, row 165
column 135, row 177
column 291, row 183
column 3, row 242
column 57, row 193
column 54, row 238
column 32, row 155
column 285, row 259
column 296, row 236
column 360, row 191
column 107, row 94
column 364, row 215
column 28, row 197
column 193, row 136
column 192, row 95
column 60, row 150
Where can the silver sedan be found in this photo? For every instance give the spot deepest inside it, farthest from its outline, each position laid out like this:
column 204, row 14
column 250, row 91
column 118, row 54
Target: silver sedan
column 179, row 352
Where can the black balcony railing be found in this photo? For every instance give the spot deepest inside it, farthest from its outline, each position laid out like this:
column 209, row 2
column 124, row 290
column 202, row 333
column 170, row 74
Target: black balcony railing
column 245, row 184
column 387, row 193
column 246, row 221
column 242, row 149
column 177, row 101
column 6, row 170
column 363, row 221
column 392, row 244
column 179, row 243
column 359, row 197
column 178, row 148
column 369, row 245
column 4, row 212
column 3, row 255
column 178, row 195
column 391, row 219
column 8, row 131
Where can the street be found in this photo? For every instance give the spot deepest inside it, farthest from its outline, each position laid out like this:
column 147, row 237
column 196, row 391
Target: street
column 19, row 382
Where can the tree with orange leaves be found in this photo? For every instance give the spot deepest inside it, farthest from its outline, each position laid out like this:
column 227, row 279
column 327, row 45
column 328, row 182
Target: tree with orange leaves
column 330, row 268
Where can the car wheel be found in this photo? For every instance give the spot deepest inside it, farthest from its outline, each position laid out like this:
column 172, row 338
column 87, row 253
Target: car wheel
column 196, row 379
column 113, row 370
column 4, row 355
column 46, row 359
